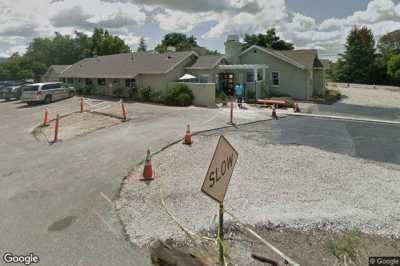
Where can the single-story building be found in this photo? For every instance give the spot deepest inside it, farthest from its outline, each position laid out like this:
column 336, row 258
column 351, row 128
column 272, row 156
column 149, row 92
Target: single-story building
column 297, row 73
column 53, row 73
column 130, row 70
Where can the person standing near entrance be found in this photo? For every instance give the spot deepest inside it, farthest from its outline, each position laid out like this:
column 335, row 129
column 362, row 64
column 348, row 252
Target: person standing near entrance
column 239, row 94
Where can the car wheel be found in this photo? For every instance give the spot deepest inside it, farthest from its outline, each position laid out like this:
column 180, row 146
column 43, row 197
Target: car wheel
column 7, row 99
column 71, row 94
column 48, row 99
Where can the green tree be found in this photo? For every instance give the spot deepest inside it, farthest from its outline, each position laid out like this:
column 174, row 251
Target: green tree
column 178, row 40
column 268, row 40
column 394, row 68
column 356, row 64
column 142, row 45
column 389, row 44
column 103, row 43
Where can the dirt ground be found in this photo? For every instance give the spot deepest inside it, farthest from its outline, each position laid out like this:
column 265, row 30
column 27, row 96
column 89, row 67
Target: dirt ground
column 76, row 124
column 311, row 248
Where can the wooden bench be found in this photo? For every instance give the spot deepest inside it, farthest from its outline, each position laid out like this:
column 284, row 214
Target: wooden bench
column 277, row 103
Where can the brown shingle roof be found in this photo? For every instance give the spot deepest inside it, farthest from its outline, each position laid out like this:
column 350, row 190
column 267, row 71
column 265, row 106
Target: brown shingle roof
column 207, row 62
column 59, row 68
column 125, row 65
column 304, row 57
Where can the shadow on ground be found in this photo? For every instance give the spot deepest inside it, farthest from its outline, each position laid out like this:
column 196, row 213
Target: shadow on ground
column 364, row 111
column 371, row 141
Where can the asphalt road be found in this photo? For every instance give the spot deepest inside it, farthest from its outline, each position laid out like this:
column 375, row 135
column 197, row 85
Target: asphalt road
column 371, row 141
column 54, row 200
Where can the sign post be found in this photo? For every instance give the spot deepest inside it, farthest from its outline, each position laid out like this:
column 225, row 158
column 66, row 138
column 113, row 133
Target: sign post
column 217, row 180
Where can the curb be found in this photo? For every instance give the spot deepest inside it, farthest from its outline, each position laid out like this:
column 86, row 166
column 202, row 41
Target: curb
column 356, row 119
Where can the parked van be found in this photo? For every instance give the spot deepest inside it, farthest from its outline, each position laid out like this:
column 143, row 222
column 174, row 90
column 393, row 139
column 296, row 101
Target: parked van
column 46, row 92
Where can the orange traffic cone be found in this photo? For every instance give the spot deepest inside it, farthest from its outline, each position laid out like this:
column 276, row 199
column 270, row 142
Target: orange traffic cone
column 297, row 108
column 148, row 170
column 46, row 117
column 274, row 115
column 188, row 136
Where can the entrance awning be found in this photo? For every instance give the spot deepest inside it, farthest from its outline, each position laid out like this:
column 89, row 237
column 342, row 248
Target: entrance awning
column 242, row 67
column 187, row 77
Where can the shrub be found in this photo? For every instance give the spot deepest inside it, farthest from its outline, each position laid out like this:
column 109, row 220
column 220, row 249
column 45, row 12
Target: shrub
column 117, row 92
column 222, row 98
column 80, row 91
column 251, row 94
column 88, row 90
column 146, row 94
column 133, row 93
column 180, row 95
column 156, row 96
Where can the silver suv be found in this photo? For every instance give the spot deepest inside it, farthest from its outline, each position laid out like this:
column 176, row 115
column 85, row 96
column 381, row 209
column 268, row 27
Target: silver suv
column 46, row 92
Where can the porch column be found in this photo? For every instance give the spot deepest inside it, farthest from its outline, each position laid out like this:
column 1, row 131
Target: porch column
column 264, row 74
column 255, row 81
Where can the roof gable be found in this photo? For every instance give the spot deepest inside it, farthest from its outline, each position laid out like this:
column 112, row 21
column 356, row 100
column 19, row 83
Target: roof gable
column 303, row 59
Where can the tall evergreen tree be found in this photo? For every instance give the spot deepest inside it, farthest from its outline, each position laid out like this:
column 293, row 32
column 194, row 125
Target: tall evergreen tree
column 357, row 62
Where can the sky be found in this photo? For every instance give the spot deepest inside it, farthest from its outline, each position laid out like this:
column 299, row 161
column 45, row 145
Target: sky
column 321, row 24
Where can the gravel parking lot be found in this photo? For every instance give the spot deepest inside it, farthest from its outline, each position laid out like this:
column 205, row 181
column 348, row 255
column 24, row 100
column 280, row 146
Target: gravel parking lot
column 386, row 97
column 361, row 101
column 298, row 185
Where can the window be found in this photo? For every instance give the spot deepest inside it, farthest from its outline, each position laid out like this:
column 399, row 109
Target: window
column 130, row 83
column 70, row 80
column 51, row 86
column 88, row 82
column 79, row 80
column 62, row 79
column 275, row 79
column 250, row 76
column 101, row 82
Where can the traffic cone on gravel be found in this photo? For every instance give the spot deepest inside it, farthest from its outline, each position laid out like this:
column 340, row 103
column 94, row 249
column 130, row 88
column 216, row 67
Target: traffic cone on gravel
column 148, row 170
column 297, row 108
column 274, row 115
column 188, row 136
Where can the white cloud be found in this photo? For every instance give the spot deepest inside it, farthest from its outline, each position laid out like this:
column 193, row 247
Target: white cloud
column 171, row 20
column 194, row 6
column 22, row 20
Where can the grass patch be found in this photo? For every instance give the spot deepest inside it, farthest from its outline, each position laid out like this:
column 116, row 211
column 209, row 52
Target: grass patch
column 346, row 247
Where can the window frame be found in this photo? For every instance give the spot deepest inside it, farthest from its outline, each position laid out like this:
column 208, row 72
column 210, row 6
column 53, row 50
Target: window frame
column 88, row 81
column 101, row 82
column 272, row 79
column 249, row 73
